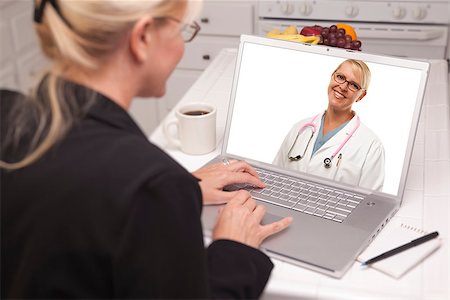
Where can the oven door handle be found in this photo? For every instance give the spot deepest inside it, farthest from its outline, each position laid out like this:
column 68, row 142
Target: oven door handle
column 394, row 34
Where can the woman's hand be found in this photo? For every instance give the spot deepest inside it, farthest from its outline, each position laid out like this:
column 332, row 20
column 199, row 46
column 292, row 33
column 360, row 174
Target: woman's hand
column 240, row 220
column 215, row 177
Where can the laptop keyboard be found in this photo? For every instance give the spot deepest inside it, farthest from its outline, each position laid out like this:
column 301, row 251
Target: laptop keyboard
column 313, row 199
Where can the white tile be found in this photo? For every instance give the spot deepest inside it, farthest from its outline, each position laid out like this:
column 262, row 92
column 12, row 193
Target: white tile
column 418, row 154
column 285, row 290
column 420, row 135
column 366, row 283
column 435, row 94
column 437, row 267
column 412, row 205
column 437, row 178
column 436, row 211
column 437, row 118
column 437, row 145
column 414, row 179
column 288, row 281
column 438, row 72
column 436, row 273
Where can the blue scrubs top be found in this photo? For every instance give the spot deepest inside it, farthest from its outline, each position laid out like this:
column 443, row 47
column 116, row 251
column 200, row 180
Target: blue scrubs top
column 321, row 139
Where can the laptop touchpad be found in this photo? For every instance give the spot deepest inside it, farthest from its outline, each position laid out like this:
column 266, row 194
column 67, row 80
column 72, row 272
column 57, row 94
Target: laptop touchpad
column 270, row 218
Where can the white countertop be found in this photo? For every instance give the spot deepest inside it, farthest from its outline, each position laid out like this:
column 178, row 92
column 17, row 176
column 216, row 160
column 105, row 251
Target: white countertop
column 426, row 202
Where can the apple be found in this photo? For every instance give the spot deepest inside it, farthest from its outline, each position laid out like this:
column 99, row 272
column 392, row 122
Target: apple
column 309, row 31
column 318, row 27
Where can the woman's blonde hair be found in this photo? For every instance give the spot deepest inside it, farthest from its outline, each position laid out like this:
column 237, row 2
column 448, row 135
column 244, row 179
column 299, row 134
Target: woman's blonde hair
column 361, row 68
column 81, row 34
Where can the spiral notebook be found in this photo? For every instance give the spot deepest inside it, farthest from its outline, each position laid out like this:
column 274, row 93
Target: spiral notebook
column 396, row 234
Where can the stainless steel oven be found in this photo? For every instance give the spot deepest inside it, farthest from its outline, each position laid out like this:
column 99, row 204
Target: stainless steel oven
column 408, row 28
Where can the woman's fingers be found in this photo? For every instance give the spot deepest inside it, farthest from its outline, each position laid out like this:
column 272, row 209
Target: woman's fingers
column 240, row 197
column 250, row 204
column 238, row 166
column 243, row 177
column 272, row 228
column 240, row 220
column 242, row 166
column 275, row 227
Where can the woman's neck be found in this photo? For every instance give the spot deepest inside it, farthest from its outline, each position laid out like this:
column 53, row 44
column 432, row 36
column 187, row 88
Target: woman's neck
column 334, row 119
column 114, row 84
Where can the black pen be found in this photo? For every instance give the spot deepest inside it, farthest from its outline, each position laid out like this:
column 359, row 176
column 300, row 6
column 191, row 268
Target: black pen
column 402, row 248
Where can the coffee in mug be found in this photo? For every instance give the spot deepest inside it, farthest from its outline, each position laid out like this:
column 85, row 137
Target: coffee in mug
column 197, row 113
column 196, row 128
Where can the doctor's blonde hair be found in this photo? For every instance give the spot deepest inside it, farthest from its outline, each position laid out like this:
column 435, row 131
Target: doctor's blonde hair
column 362, row 68
column 80, row 34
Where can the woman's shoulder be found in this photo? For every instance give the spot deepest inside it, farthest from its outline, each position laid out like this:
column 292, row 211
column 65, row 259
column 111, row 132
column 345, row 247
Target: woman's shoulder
column 368, row 134
column 129, row 153
column 10, row 99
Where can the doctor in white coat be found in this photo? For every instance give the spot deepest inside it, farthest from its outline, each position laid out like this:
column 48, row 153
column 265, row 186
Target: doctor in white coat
column 335, row 144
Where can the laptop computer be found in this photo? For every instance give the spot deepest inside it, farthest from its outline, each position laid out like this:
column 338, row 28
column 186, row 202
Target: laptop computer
column 278, row 83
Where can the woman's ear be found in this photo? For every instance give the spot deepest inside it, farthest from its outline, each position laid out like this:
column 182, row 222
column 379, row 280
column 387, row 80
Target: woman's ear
column 363, row 94
column 141, row 39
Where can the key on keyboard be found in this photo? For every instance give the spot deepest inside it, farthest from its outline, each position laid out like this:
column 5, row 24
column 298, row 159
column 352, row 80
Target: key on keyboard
column 306, row 197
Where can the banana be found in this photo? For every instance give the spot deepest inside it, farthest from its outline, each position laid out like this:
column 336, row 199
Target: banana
column 295, row 38
column 316, row 41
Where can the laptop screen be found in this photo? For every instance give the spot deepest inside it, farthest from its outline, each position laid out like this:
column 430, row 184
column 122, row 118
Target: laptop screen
column 281, row 88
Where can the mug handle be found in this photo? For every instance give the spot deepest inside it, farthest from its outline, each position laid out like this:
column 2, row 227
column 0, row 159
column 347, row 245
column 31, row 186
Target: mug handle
column 174, row 141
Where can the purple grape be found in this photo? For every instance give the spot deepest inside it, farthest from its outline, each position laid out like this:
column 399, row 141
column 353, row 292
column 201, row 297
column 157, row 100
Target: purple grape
column 347, row 46
column 341, row 30
column 355, row 45
column 325, row 32
column 348, row 38
column 332, row 35
column 326, row 41
column 340, row 43
column 339, row 35
column 333, row 42
column 333, row 28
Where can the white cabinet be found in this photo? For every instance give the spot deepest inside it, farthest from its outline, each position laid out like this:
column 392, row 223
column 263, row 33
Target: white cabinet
column 21, row 61
column 221, row 22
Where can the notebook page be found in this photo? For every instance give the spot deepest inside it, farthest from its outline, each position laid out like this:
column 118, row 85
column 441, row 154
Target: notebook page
column 396, row 234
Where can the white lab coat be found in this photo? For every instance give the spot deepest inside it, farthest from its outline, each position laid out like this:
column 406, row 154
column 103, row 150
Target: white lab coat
column 362, row 161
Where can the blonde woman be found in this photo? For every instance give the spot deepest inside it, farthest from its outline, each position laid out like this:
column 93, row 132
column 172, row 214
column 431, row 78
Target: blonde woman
column 90, row 208
column 335, row 144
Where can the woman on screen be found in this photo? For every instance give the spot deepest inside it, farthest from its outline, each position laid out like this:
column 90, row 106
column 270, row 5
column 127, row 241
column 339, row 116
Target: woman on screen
column 335, row 144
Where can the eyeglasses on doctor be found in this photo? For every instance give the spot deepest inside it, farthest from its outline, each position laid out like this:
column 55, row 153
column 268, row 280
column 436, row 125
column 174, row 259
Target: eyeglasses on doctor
column 341, row 79
column 188, row 31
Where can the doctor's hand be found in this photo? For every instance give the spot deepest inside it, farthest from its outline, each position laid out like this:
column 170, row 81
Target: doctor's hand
column 240, row 220
column 216, row 176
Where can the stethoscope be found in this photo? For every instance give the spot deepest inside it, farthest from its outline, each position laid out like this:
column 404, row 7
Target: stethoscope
column 327, row 161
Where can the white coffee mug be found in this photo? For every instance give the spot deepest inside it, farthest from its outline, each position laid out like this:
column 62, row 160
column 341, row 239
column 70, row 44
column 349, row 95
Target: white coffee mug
column 196, row 128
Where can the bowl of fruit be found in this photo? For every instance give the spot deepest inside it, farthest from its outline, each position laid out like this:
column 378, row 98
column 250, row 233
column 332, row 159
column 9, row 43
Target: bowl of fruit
column 338, row 35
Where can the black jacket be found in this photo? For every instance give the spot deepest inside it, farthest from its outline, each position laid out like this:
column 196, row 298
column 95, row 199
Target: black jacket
column 107, row 214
